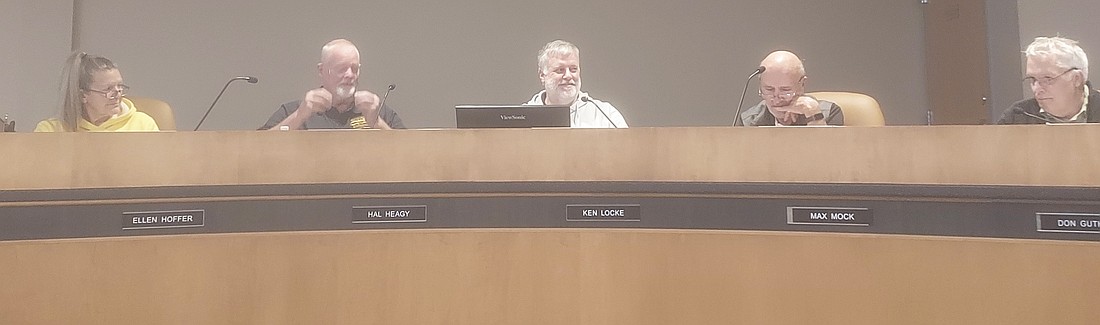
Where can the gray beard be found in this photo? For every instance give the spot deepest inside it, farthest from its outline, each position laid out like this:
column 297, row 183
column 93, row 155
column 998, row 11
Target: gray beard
column 561, row 98
column 343, row 93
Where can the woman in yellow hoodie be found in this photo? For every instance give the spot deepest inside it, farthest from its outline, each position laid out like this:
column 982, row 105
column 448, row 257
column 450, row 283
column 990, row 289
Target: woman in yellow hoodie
column 92, row 99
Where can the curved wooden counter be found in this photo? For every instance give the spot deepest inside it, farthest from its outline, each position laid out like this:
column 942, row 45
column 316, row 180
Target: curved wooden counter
column 974, row 155
column 954, row 208
column 548, row 276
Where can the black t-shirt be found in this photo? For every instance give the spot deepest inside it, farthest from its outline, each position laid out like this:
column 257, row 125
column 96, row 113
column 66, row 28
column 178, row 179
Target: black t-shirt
column 330, row 119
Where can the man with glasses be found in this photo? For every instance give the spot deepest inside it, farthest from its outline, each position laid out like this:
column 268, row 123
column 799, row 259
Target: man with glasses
column 784, row 102
column 337, row 104
column 1057, row 72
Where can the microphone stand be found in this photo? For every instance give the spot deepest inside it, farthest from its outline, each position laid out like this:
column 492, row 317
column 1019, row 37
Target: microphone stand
column 1037, row 117
column 737, row 115
column 387, row 95
column 360, row 121
column 590, row 101
column 251, row 80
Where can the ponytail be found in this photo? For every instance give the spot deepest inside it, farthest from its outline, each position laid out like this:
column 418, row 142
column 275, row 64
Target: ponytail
column 76, row 77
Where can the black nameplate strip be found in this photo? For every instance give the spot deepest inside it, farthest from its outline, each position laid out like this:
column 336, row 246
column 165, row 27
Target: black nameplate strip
column 829, row 216
column 163, row 219
column 1088, row 223
column 603, row 212
column 383, row 214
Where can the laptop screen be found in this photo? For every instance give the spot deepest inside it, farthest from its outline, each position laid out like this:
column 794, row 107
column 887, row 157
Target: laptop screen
column 511, row 116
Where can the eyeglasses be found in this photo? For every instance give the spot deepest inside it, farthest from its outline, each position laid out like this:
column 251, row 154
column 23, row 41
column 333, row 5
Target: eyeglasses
column 784, row 96
column 340, row 70
column 112, row 93
column 1045, row 81
column 772, row 94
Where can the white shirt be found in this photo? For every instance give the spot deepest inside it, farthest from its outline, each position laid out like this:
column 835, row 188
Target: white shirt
column 586, row 114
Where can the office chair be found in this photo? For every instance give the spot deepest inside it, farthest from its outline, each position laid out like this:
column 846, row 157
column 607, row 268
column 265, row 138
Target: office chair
column 158, row 110
column 858, row 109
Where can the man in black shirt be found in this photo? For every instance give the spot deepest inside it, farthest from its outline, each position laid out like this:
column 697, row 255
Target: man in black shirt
column 337, row 104
column 1058, row 73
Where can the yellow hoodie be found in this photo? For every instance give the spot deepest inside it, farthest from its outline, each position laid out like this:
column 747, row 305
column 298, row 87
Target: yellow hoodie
column 129, row 120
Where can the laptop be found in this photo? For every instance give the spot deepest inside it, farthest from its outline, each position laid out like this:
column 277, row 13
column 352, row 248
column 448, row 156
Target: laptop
column 511, row 116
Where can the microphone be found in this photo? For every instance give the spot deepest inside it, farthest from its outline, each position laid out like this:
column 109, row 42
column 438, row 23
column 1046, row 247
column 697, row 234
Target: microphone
column 737, row 115
column 9, row 125
column 360, row 122
column 387, row 95
column 589, row 100
column 250, row 80
column 1021, row 110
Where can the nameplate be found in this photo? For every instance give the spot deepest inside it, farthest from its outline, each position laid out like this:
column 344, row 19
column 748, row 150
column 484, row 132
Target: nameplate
column 1087, row 223
column 163, row 219
column 393, row 213
column 829, row 216
column 603, row 212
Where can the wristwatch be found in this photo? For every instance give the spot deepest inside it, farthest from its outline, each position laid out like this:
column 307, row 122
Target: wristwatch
column 818, row 116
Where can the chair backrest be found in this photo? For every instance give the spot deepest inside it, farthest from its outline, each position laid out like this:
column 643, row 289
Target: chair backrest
column 158, row 110
column 859, row 109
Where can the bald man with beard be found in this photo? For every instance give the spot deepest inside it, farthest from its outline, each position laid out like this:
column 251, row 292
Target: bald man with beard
column 784, row 100
column 339, row 102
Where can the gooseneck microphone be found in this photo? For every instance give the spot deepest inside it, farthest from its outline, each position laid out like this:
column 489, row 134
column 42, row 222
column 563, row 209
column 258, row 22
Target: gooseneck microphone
column 590, row 101
column 360, row 122
column 737, row 115
column 1034, row 116
column 250, row 80
column 387, row 95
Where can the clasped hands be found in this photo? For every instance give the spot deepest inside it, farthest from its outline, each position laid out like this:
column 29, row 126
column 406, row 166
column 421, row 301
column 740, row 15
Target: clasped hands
column 319, row 100
column 801, row 106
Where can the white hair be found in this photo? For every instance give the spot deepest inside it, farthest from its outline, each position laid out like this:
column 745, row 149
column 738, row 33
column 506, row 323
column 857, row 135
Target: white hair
column 331, row 45
column 1064, row 51
column 555, row 48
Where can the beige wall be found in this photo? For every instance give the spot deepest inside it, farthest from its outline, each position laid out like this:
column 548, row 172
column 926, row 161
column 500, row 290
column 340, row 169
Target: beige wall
column 34, row 41
column 1003, row 40
column 662, row 63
